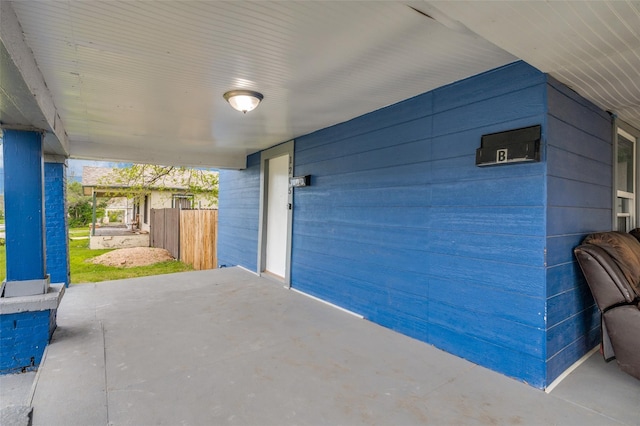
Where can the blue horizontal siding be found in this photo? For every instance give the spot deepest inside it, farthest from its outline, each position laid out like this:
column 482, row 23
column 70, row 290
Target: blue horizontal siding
column 573, row 193
column 524, row 221
column 400, row 226
column 238, row 204
column 457, row 169
column 390, row 237
column 577, row 220
column 563, row 277
column 415, row 174
column 572, row 352
column 489, row 327
column 578, row 297
column 513, row 249
column 397, row 204
column 579, row 196
column 381, row 158
column 399, row 134
column 509, row 305
column 560, row 248
column 528, row 102
column 492, row 84
column 402, row 112
column 569, row 165
column 524, row 279
column 571, row 329
column 520, row 365
column 517, row 191
column 464, row 143
column 362, row 260
column 569, row 107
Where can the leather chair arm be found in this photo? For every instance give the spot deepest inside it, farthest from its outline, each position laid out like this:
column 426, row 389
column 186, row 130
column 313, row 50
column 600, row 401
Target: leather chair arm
column 623, row 326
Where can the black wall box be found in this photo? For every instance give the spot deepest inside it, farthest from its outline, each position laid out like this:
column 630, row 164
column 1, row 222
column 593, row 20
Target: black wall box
column 513, row 146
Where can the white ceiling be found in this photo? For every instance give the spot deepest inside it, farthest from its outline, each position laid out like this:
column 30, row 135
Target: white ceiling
column 591, row 46
column 143, row 81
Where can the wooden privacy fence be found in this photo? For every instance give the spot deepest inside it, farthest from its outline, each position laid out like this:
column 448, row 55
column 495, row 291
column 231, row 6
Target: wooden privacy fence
column 165, row 230
column 189, row 235
column 198, row 238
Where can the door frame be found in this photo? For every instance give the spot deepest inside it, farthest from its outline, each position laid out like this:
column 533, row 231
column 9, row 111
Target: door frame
column 265, row 156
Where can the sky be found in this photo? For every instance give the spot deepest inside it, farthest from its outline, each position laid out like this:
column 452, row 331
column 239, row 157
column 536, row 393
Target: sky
column 74, row 167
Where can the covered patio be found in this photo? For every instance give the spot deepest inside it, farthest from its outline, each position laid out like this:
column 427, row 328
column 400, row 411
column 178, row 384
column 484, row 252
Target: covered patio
column 227, row 347
column 380, row 109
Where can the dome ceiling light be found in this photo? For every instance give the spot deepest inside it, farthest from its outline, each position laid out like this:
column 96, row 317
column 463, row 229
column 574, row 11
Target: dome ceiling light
column 243, row 100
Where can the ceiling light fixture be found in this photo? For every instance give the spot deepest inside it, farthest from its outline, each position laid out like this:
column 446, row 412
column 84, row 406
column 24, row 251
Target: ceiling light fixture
column 243, row 100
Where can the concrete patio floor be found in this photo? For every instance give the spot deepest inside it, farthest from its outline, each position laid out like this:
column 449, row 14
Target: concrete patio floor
column 227, row 347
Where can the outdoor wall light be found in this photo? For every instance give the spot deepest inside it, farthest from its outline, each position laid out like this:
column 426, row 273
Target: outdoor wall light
column 243, row 100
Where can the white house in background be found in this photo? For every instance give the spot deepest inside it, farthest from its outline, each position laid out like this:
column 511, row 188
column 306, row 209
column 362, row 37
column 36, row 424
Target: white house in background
column 133, row 203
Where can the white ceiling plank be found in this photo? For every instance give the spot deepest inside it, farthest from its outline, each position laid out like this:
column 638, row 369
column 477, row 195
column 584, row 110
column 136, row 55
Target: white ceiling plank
column 150, row 75
column 31, row 95
column 221, row 159
column 591, row 46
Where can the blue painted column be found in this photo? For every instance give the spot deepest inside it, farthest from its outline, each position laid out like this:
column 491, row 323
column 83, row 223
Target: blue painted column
column 24, row 213
column 57, row 243
column 29, row 304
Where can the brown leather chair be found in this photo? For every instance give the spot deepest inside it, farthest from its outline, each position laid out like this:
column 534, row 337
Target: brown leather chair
column 610, row 262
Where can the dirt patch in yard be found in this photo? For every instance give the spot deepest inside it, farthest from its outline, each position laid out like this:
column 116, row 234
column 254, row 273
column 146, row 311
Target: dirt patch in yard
column 130, row 257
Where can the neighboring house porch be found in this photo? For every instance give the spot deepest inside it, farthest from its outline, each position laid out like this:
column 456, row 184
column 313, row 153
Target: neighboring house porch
column 126, row 220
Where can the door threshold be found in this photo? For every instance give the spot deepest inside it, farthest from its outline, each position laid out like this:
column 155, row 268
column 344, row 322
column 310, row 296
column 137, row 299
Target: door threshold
column 273, row 277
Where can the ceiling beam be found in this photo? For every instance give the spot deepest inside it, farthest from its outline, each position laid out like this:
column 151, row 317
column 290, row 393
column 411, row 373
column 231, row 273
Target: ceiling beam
column 130, row 154
column 26, row 100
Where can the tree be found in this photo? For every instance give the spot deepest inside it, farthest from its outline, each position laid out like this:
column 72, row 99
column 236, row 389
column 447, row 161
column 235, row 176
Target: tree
column 139, row 178
column 80, row 206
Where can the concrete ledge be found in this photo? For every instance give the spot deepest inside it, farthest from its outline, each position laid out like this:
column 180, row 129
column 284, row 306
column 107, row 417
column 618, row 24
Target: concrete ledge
column 25, row 287
column 41, row 302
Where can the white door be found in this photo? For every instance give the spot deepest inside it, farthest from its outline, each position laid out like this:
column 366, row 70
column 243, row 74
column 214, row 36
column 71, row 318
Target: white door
column 277, row 212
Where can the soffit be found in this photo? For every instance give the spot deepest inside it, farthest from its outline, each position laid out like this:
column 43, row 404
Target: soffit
column 143, row 81
column 591, row 46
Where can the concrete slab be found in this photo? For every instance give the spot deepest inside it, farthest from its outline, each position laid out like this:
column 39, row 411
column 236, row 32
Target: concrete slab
column 15, row 398
column 16, row 415
column 71, row 386
column 226, row 347
column 603, row 388
column 15, row 389
column 482, row 397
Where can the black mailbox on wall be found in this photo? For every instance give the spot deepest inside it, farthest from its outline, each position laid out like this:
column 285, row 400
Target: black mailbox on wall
column 513, row 146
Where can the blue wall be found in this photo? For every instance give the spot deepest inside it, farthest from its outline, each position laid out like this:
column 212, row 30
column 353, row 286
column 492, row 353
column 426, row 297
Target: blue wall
column 238, row 210
column 24, row 205
column 23, row 338
column 400, row 226
column 57, row 242
column 579, row 167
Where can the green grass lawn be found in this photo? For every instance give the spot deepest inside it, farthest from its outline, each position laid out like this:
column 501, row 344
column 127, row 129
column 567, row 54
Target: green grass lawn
column 78, row 232
column 87, row 272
